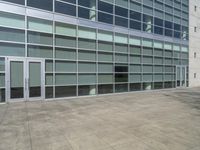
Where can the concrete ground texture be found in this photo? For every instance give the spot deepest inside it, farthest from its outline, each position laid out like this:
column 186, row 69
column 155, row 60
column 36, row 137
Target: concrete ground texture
column 153, row 120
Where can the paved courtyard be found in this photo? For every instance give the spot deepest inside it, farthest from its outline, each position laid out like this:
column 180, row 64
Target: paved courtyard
column 154, row 120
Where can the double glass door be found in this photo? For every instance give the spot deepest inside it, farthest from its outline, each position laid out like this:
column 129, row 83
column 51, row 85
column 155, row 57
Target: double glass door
column 180, row 76
column 24, row 79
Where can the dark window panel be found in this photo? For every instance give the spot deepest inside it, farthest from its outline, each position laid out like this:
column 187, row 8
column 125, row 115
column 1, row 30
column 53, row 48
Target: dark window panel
column 147, row 28
column 177, row 27
column 121, row 77
column 70, row 1
column 135, row 15
column 158, row 30
column 22, row 2
column 65, row 8
column 147, row 19
column 41, row 4
column 106, row 7
column 168, row 32
column 87, row 3
column 65, row 91
column 86, row 13
column 177, row 34
column 168, row 24
column 121, row 22
column 103, row 89
column 158, row 22
column 121, row 68
column 121, row 11
column 106, row 18
column 135, row 25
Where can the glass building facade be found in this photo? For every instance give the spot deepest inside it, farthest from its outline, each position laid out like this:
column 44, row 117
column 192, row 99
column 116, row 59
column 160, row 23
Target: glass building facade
column 67, row 48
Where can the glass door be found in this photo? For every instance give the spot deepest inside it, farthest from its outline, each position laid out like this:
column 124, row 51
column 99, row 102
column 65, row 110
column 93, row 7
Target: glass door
column 24, row 79
column 35, row 79
column 180, row 76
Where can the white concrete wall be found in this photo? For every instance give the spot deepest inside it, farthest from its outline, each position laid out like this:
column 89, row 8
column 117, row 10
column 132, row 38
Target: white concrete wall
column 194, row 43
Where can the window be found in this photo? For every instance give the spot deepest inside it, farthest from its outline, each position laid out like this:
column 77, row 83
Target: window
column 40, row 25
column 44, row 4
column 121, row 73
column 65, row 8
column 106, row 18
column 86, row 13
column 106, row 7
column 22, row 2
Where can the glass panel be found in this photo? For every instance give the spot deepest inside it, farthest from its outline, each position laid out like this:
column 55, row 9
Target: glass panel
column 105, row 68
column 2, row 64
column 65, row 53
column 2, row 95
column 86, row 13
column 16, row 79
column 40, row 51
column 86, row 44
column 34, row 79
column 16, row 1
column 85, row 55
column 105, row 36
column 87, row 67
column 86, row 33
column 183, row 76
column 49, row 79
column 65, row 91
column 135, row 87
column 65, row 41
column 65, row 29
column 86, row 79
column 121, row 87
column 40, row 38
column 49, row 92
column 65, row 79
column 40, row 25
column 106, row 46
column 12, row 20
column 49, row 66
column 64, row 66
column 104, row 89
column 65, row 8
column 105, row 78
column 2, row 80
column 44, row 4
column 12, row 49
column 7, row 34
column 86, row 90
column 105, row 57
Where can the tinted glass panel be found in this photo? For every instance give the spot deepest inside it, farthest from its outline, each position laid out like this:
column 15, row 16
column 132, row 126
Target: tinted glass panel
column 87, row 3
column 105, row 7
column 121, row 22
column 106, row 18
column 42, row 4
column 16, row 1
column 135, row 15
column 121, row 11
column 65, row 8
column 135, row 25
column 70, row 1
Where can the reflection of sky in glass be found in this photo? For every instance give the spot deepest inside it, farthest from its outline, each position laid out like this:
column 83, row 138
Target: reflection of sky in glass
column 2, row 65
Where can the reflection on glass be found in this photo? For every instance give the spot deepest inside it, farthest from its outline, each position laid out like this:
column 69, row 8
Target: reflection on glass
column 16, row 79
column 34, row 79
